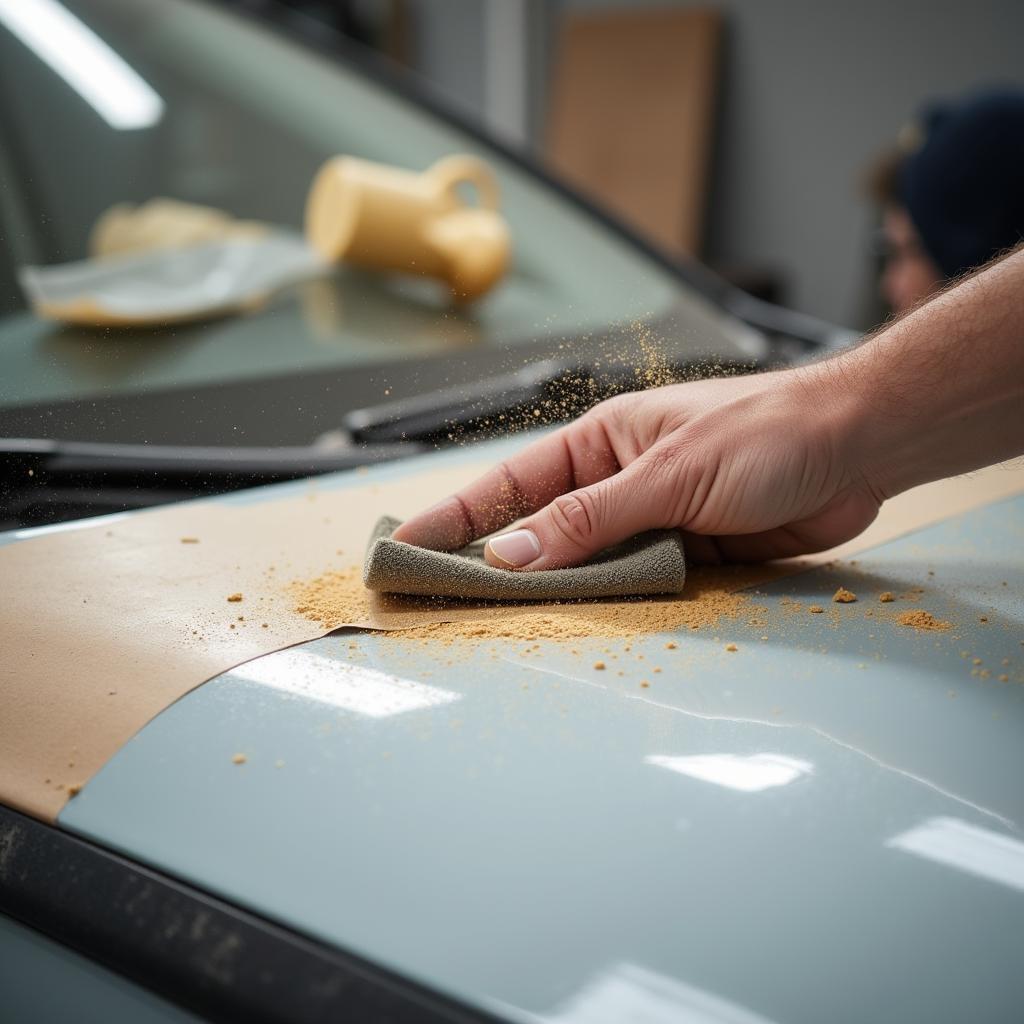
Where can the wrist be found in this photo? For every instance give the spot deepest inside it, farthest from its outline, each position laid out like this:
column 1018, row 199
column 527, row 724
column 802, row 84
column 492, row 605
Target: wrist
column 864, row 443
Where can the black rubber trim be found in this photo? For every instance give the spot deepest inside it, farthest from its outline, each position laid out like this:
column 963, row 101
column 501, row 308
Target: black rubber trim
column 191, row 948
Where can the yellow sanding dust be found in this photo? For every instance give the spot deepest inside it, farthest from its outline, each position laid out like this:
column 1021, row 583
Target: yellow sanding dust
column 336, row 598
column 920, row 619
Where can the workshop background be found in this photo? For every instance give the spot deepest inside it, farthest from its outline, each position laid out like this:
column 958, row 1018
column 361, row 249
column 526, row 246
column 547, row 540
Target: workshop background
column 773, row 111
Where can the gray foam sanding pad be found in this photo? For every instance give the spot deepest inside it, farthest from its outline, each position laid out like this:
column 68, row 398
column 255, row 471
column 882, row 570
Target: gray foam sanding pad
column 651, row 563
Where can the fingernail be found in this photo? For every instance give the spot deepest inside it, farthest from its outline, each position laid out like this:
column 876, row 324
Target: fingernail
column 520, row 547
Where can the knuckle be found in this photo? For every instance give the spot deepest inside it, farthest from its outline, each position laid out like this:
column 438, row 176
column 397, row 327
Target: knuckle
column 574, row 518
column 666, row 479
column 665, row 462
column 616, row 411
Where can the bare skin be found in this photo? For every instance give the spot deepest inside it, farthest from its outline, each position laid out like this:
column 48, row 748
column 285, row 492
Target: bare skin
column 770, row 465
column 910, row 274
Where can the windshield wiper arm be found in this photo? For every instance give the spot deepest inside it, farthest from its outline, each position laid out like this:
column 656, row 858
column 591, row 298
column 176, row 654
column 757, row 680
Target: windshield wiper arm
column 30, row 464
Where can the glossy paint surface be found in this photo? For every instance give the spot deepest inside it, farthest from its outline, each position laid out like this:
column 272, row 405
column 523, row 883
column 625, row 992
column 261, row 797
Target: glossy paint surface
column 825, row 824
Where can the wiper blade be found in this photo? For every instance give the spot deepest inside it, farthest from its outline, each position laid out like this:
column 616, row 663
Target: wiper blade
column 44, row 481
column 541, row 393
column 30, row 460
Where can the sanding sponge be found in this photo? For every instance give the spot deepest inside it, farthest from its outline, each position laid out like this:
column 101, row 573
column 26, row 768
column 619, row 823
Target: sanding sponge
column 651, row 563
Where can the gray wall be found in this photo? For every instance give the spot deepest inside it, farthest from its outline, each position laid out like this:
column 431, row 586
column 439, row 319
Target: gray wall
column 811, row 90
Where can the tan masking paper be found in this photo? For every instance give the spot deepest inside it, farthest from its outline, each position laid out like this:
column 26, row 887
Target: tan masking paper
column 102, row 627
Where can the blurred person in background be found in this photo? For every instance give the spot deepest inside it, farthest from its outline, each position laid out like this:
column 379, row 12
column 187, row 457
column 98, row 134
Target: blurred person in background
column 951, row 193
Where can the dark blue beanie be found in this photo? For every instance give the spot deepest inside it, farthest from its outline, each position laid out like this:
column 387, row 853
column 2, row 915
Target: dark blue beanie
column 964, row 187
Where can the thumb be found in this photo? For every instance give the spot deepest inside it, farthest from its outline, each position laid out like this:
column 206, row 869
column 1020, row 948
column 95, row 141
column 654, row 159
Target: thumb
column 576, row 526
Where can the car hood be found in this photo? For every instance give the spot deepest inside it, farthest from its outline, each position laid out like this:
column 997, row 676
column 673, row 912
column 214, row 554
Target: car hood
column 823, row 824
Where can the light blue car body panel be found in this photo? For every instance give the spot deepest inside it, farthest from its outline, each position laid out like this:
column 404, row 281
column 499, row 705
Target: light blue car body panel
column 822, row 825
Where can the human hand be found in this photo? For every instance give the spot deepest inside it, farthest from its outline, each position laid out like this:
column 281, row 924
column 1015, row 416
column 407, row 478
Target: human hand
column 749, row 468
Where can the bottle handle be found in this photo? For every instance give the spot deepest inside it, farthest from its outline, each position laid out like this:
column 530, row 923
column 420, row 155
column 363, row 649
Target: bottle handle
column 451, row 171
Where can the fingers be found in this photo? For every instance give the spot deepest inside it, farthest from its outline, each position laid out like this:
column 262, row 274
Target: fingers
column 577, row 455
column 576, row 526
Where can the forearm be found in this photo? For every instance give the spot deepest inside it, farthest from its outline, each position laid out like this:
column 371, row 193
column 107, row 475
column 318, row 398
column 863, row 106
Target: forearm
column 939, row 392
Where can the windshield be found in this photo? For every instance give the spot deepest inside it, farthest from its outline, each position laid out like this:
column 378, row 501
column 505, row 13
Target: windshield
column 225, row 113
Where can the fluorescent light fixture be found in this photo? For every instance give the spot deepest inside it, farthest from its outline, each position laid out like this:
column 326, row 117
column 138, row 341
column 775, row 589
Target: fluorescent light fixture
column 958, row 844
column 102, row 78
column 747, row 773
column 342, row 685
column 627, row 992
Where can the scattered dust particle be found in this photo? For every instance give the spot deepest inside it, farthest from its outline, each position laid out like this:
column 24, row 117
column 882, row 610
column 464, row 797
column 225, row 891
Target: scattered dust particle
column 1005, row 661
column 764, row 638
column 189, row 540
column 844, row 596
column 279, row 764
column 931, row 572
column 975, row 661
column 670, row 646
column 231, row 626
column 644, row 683
column 922, row 620
column 815, row 609
column 731, row 647
column 234, row 597
column 985, row 674
column 241, row 618
column 239, row 759
column 71, row 764
column 111, row 693
column 965, row 654
column 265, row 625
column 983, row 618
column 337, row 597
column 951, row 693
column 886, row 596
column 74, row 790
column 656, row 670
column 599, row 665
column 1003, row 677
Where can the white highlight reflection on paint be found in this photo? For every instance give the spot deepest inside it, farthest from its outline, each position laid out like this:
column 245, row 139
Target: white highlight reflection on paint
column 628, row 994
column 971, row 848
column 364, row 691
column 747, row 773
column 100, row 76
